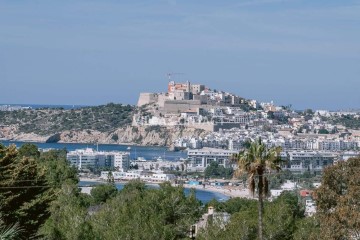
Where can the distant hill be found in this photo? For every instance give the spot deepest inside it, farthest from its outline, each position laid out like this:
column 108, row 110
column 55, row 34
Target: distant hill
column 47, row 121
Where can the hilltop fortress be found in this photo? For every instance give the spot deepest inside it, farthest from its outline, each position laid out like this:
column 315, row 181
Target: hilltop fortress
column 189, row 97
column 192, row 105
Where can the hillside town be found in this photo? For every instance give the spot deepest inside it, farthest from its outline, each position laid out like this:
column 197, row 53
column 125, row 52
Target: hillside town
column 231, row 121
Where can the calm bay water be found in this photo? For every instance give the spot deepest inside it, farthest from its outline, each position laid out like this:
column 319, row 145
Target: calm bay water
column 149, row 153
column 203, row 196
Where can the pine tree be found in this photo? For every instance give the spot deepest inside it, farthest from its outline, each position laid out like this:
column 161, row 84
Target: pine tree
column 24, row 195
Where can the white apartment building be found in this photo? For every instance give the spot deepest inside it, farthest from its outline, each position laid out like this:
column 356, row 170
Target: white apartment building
column 236, row 145
column 141, row 175
column 120, row 160
column 85, row 158
column 312, row 161
column 337, row 145
column 199, row 159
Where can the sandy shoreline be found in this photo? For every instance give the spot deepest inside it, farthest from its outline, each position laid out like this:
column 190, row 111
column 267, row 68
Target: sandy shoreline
column 229, row 191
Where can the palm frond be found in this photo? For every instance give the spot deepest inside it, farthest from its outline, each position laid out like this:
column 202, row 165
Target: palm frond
column 9, row 232
column 257, row 160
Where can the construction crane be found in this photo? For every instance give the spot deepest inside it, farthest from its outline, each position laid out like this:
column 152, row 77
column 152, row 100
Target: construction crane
column 169, row 75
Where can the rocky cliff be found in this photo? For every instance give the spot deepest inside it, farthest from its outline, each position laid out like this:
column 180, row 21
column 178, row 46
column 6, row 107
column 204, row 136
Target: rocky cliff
column 150, row 135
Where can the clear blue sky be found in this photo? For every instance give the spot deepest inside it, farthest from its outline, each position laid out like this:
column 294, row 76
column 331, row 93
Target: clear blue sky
column 300, row 52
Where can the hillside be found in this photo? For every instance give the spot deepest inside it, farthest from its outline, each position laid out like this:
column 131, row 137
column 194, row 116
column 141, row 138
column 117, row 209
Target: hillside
column 49, row 121
column 104, row 124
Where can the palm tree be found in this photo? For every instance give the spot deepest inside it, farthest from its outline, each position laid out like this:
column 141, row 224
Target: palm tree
column 257, row 161
column 9, row 232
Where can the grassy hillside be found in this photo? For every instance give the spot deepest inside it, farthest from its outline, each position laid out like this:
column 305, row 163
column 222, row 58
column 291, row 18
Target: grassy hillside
column 49, row 121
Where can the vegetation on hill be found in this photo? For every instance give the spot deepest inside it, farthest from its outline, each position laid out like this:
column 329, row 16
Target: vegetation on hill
column 349, row 121
column 47, row 121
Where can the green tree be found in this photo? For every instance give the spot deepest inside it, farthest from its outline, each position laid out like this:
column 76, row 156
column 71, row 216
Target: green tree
column 140, row 213
column 29, row 150
column 257, row 161
column 281, row 218
column 338, row 201
column 103, row 192
column 323, row 131
column 110, row 177
column 218, row 171
column 24, row 195
column 69, row 216
column 270, row 115
column 308, row 112
column 307, row 229
column 57, row 169
column 233, row 205
column 29, row 183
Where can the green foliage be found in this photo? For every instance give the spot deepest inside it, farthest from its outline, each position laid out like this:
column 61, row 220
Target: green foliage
column 215, row 170
column 24, row 193
column 338, row 200
column 57, row 168
column 69, row 215
column 153, row 128
column 49, row 121
column 247, row 144
column 233, row 205
column 29, row 182
column 307, row 229
column 101, row 193
column 280, row 219
column 349, row 121
column 135, row 212
column 29, row 150
column 308, row 112
column 140, row 213
column 270, row 115
column 323, row 131
column 9, row 232
column 280, row 178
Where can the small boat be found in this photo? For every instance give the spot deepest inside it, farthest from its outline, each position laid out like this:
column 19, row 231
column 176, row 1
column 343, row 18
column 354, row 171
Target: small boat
column 142, row 159
column 160, row 159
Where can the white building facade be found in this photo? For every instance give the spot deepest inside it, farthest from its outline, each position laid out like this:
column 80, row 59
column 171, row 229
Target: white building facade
column 89, row 158
column 199, row 159
column 311, row 161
